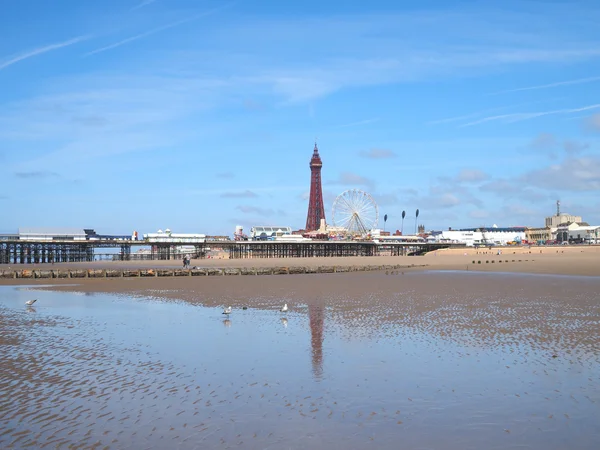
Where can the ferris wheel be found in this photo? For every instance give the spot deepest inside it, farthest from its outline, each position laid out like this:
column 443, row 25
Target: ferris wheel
column 355, row 211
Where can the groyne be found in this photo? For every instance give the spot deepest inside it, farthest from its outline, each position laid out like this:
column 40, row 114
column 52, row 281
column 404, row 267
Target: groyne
column 208, row 271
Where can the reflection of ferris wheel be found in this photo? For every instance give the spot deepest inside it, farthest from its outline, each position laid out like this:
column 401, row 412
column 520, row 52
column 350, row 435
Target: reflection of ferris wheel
column 355, row 211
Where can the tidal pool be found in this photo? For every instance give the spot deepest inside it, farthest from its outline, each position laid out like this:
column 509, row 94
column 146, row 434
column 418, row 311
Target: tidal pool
column 508, row 370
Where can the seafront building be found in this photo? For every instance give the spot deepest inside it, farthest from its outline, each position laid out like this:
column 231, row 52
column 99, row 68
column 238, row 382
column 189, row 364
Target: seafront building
column 563, row 227
column 560, row 218
column 474, row 237
column 50, row 234
column 540, row 235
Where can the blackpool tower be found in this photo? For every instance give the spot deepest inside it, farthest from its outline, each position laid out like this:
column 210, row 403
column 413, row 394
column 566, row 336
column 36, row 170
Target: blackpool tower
column 316, row 210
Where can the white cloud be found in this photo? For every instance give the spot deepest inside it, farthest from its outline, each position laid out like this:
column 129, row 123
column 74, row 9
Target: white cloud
column 572, row 174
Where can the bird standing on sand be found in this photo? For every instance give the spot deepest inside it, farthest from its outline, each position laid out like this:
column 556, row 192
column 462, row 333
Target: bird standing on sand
column 227, row 310
column 31, row 302
column 285, row 308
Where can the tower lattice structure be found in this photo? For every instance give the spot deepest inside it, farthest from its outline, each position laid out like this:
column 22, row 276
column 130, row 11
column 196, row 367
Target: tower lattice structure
column 316, row 209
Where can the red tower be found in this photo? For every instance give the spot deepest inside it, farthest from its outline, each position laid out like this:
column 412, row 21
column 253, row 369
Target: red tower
column 316, row 210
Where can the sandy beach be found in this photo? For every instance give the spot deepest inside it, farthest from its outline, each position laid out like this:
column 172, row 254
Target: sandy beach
column 565, row 260
column 445, row 355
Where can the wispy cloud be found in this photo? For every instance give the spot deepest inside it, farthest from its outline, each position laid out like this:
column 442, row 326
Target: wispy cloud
column 550, row 85
column 361, row 122
column 593, row 123
column 517, row 117
column 544, row 141
column 41, row 174
column 353, row 179
column 142, row 4
column 241, row 194
column 377, row 153
column 255, row 210
column 471, row 176
column 41, row 50
column 481, row 113
column 157, row 30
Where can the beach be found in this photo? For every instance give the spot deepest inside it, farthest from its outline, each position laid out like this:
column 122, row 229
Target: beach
column 563, row 260
column 445, row 354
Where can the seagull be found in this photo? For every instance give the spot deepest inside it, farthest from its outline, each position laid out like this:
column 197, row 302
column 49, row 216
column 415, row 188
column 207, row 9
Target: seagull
column 227, row 310
column 285, row 308
column 31, row 302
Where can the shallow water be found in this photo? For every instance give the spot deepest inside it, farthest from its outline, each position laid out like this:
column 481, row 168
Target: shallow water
column 462, row 369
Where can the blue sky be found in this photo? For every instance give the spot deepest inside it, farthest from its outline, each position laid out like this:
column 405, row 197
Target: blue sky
column 200, row 115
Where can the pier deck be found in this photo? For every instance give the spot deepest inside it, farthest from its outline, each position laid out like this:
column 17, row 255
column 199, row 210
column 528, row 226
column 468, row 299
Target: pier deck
column 62, row 251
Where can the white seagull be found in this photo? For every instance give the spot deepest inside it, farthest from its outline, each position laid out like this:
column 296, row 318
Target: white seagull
column 31, row 302
column 227, row 310
column 285, row 308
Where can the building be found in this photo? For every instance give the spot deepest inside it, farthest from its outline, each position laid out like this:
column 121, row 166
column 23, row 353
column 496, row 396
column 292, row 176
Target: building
column 555, row 221
column 577, row 233
column 265, row 232
column 540, row 235
column 475, row 237
column 560, row 218
column 584, row 234
column 53, row 234
column 316, row 209
column 167, row 237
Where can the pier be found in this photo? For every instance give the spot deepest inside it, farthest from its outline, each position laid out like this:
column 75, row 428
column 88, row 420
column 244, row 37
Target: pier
column 64, row 251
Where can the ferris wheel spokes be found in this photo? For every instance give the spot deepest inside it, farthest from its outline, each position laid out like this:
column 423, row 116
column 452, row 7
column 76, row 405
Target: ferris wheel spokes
column 355, row 211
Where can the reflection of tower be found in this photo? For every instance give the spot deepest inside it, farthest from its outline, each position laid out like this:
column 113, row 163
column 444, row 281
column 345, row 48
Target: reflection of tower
column 316, row 209
column 315, row 314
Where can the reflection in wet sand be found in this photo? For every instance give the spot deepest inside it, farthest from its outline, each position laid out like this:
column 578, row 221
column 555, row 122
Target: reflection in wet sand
column 315, row 314
column 484, row 362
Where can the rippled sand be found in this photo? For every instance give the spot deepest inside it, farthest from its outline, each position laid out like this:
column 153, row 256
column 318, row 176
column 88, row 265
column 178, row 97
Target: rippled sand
column 420, row 361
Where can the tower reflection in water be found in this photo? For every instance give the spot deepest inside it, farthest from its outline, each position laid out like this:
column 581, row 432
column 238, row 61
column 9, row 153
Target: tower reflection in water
column 316, row 317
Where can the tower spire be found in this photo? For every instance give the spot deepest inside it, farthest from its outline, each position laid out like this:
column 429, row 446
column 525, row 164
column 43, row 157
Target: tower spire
column 316, row 209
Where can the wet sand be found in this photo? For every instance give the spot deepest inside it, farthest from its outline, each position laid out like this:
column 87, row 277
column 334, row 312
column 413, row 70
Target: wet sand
column 407, row 359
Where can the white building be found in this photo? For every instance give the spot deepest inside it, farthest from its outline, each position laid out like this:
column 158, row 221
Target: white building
column 268, row 231
column 578, row 232
column 483, row 237
column 292, row 238
column 52, row 234
column 168, row 237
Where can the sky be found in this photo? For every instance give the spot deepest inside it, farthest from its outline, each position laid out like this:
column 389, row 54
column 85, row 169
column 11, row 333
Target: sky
column 198, row 115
